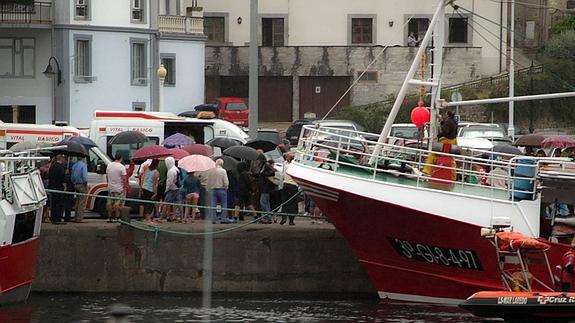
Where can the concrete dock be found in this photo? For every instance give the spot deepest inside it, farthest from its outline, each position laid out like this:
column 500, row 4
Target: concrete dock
column 96, row 256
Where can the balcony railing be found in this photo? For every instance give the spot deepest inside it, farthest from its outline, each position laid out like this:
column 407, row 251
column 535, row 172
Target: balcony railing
column 38, row 13
column 181, row 25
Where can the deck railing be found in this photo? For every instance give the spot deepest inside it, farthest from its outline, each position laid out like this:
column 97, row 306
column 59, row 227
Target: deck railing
column 181, row 24
column 38, row 13
column 515, row 178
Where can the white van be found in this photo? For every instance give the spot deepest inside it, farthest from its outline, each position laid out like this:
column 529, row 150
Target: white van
column 12, row 133
column 157, row 126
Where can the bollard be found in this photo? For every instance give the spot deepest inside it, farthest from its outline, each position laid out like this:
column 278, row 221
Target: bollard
column 125, row 213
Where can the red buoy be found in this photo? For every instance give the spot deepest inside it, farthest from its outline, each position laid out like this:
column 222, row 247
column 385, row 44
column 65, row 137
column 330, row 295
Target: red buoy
column 419, row 115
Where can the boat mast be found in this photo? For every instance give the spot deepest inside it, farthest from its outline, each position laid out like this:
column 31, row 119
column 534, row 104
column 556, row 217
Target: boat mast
column 511, row 127
column 408, row 80
column 437, row 64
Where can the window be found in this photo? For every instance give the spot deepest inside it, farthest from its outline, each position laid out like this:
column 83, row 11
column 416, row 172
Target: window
column 169, row 62
column 214, row 28
column 17, row 57
column 138, row 63
column 82, row 10
column 417, row 26
column 127, row 150
column 458, row 30
column 18, row 113
column 368, row 77
column 82, row 60
column 570, row 4
column 137, row 10
column 362, row 30
column 272, row 31
column 138, row 106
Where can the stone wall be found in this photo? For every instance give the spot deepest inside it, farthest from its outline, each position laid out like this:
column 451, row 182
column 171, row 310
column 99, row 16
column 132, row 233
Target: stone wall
column 460, row 64
column 109, row 258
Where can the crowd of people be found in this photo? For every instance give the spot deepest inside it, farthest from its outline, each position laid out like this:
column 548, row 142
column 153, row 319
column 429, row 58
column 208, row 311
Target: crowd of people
column 170, row 194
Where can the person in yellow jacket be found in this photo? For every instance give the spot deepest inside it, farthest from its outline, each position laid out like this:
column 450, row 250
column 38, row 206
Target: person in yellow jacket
column 447, row 136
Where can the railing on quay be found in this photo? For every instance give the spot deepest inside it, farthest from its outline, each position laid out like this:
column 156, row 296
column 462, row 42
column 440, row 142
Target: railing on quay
column 496, row 79
column 334, row 148
column 40, row 12
column 181, row 24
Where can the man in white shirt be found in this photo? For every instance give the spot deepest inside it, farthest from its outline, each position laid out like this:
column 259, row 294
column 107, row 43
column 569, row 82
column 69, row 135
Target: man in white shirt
column 217, row 186
column 116, row 177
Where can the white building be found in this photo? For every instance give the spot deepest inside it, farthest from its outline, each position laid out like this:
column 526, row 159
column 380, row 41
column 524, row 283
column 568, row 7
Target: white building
column 107, row 52
column 312, row 50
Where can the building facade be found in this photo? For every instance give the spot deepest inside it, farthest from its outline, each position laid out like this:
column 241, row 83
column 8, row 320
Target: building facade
column 534, row 19
column 103, row 54
column 312, row 51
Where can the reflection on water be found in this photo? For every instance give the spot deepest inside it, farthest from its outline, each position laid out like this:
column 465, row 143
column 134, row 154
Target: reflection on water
column 236, row 308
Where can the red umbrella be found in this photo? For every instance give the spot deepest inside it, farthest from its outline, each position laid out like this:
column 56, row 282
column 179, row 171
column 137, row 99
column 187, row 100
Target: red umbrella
column 177, row 153
column 199, row 149
column 558, row 142
column 151, row 152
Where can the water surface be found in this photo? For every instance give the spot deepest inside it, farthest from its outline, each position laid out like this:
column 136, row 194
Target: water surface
column 226, row 308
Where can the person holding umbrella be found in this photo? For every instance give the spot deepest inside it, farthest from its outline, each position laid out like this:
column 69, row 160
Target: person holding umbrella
column 150, row 189
column 57, row 182
column 116, row 177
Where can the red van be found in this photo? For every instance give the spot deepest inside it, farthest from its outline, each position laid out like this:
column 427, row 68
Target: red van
column 233, row 110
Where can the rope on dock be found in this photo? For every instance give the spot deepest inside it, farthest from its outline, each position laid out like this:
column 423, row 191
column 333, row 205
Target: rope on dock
column 140, row 225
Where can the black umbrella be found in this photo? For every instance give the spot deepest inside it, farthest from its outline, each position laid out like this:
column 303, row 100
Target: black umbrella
column 264, row 145
column 507, row 149
column 85, row 141
column 128, row 137
column 530, row 140
column 70, row 148
column 230, row 163
column 223, row 142
column 242, row 152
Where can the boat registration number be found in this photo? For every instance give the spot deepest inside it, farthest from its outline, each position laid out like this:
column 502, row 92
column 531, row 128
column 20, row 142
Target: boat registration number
column 451, row 257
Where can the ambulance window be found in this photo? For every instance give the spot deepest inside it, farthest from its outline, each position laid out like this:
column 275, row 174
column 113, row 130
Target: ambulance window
column 93, row 160
column 127, row 150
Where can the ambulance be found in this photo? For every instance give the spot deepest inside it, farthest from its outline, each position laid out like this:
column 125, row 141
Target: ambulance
column 157, row 126
column 13, row 133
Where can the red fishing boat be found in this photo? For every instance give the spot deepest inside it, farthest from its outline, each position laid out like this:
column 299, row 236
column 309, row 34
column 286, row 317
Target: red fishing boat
column 415, row 231
column 21, row 202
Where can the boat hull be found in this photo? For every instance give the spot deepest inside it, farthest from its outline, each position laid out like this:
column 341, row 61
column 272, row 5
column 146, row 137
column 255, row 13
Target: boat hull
column 17, row 266
column 515, row 305
column 410, row 254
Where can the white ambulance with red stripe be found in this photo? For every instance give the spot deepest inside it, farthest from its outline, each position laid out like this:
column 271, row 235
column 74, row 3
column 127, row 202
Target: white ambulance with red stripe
column 13, row 133
column 157, row 126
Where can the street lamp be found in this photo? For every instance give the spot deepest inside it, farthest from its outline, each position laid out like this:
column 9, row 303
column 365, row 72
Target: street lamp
column 49, row 71
column 531, row 71
column 162, row 77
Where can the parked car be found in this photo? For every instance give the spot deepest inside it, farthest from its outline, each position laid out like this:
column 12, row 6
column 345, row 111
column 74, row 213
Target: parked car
column 495, row 134
column 294, row 130
column 233, row 110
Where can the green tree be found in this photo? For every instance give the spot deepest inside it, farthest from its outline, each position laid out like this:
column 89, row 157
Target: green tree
column 563, row 25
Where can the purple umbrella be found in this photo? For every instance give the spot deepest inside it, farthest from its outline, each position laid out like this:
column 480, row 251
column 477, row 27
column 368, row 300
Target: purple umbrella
column 177, row 140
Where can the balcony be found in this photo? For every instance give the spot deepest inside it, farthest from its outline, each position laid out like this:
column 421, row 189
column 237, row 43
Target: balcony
column 39, row 13
column 181, row 25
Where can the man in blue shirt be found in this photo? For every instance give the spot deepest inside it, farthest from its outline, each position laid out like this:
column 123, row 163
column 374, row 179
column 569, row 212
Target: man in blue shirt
column 79, row 178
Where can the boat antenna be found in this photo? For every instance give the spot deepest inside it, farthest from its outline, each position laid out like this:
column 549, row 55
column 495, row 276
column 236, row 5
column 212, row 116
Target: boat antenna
column 438, row 15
